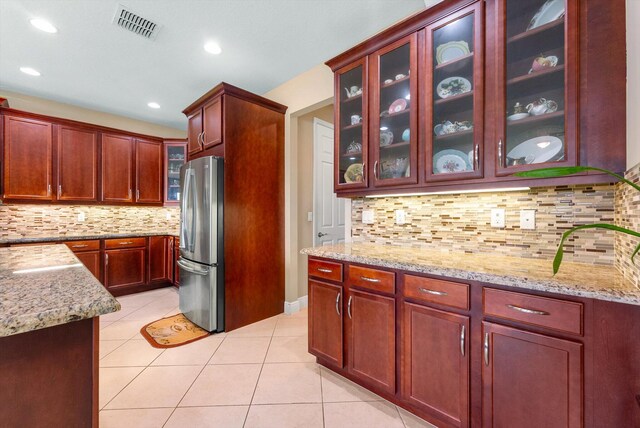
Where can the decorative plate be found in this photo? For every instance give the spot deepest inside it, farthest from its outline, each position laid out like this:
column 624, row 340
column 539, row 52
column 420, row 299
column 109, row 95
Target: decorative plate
column 550, row 11
column 386, row 138
column 398, row 105
column 353, row 174
column 451, row 161
column 451, row 50
column 453, row 86
column 354, row 147
column 517, row 116
column 543, row 149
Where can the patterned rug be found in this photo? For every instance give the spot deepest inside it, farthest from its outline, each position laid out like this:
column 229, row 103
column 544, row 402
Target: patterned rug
column 172, row 331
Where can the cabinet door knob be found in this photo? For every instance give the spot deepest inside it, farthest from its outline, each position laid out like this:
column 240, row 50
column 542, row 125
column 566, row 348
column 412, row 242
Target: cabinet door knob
column 486, row 349
column 462, row 339
column 477, row 156
column 106, row 259
column 434, row 292
column 500, row 153
column 138, row 194
column 59, row 190
column 375, row 169
column 324, row 270
column 366, row 278
column 337, row 303
column 526, row 310
column 349, row 307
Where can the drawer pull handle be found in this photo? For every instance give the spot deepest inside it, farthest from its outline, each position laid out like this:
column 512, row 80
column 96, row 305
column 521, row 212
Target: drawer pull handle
column 462, row 339
column 434, row 292
column 324, row 270
column 337, row 302
column 349, row 307
column 527, row 311
column 80, row 246
column 126, row 242
column 364, row 278
column 486, row 349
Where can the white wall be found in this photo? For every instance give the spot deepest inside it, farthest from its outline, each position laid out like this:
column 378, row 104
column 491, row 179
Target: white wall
column 633, row 83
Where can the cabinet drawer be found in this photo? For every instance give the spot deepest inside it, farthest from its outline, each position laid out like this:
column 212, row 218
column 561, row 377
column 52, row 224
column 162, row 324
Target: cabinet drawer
column 544, row 312
column 77, row 246
column 326, row 270
column 110, row 244
column 431, row 290
column 372, row 279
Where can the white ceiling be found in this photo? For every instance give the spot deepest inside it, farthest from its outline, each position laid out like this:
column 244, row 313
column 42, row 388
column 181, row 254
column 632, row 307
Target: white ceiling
column 94, row 64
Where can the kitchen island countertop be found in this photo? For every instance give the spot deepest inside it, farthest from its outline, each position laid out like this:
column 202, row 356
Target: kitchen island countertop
column 45, row 286
column 97, row 235
column 576, row 279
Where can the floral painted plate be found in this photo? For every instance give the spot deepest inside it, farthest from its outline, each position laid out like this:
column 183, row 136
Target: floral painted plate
column 453, row 86
column 354, row 174
column 451, row 161
column 451, row 50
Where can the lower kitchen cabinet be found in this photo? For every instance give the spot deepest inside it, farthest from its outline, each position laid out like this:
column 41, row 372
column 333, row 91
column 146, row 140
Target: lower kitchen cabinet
column 325, row 321
column 158, row 255
column 530, row 380
column 435, row 362
column 372, row 338
column 124, row 268
column 91, row 260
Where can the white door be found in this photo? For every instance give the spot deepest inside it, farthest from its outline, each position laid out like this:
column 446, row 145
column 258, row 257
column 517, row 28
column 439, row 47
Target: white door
column 328, row 210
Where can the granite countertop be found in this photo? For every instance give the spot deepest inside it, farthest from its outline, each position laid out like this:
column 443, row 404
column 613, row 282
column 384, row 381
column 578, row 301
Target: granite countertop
column 100, row 235
column 575, row 279
column 66, row 292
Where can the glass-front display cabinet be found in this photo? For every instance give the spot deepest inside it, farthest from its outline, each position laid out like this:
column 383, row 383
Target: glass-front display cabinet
column 175, row 154
column 393, row 136
column 454, row 96
column 537, row 84
column 351, row 129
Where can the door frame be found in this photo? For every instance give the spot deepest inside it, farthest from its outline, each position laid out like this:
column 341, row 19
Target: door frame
column 316, row 156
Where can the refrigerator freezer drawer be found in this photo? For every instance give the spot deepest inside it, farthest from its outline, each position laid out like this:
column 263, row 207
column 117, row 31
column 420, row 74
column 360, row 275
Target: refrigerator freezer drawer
column 201, row 295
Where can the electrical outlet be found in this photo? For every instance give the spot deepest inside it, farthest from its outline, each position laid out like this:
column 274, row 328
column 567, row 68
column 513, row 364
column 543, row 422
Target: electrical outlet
column 168, row 215
column 81, row 216
column 401, row 217
column 528, row 219
column 367, row 217
column 310, row 216
column 497, row 217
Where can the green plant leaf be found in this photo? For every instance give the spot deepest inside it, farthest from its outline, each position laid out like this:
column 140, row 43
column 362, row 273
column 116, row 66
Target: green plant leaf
column 635, row 252
column 570, row 170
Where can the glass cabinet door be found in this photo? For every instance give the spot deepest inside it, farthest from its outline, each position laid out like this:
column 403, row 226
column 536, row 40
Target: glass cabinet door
column 175, row 156
column 351, row 127
column 454, row 96
column 536, row 124
column 394, row 114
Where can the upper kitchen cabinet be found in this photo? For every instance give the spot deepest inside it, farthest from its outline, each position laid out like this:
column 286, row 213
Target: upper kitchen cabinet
column 175, row 155
column 351, row 130
column 27, row 159
column 537, row 84
column 453, row 90
column 149, row 174
column 467, row 93
column 117, row 168
column 394, row 113
column 205, row 126
column 77, row 164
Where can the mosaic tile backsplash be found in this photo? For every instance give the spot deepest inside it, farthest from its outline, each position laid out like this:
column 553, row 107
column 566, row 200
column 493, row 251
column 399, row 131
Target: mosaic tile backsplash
column 627, row 203
column 19, row 221
column 462, row 222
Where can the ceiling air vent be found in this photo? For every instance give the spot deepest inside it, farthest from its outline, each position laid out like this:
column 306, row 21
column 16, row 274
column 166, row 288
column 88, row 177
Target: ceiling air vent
column 135, row 23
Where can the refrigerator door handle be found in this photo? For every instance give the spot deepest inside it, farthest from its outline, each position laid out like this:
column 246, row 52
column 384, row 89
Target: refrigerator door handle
column 183, row 210
column 189, row 268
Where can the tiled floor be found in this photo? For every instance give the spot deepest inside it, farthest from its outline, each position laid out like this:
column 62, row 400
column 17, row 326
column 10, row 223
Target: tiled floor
column 260, row 376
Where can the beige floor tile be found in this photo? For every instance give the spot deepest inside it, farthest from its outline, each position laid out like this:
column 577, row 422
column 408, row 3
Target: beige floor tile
column 118, row 315
column 375, row 414
column 194, row 353
column 412, row 421
column 113, row 380
column 223, row 385
column 138, row 418
column 286, row 383
column 289, row 350
column 239, row 350
column 121, row 330
column 104, row 324
column 285, row 416
column 303, row 313
column 146, row 315
column 156, row 387
column 107, row 346
column 259, row 329
column 336, row 388
column 133, row 353
column 208, row 417
column 291, row 327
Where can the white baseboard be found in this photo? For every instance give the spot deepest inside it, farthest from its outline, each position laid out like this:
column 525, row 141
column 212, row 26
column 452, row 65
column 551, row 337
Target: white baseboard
column 296, row 306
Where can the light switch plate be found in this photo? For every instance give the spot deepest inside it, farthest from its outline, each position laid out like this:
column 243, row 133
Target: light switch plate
column 168, row 215
column 81, row 216
column 309, row 215
column 528, row 219
column 401, row 217
column 497, row 217
column 367, row 217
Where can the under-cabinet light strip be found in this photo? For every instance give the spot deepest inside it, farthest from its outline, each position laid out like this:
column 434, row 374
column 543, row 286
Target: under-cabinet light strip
column 452, row 192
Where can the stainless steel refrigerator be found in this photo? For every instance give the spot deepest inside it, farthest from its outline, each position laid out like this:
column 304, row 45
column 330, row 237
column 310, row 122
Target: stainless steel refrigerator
column 201, row 259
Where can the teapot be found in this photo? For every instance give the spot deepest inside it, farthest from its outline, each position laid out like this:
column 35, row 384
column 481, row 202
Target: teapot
column 541, row 62
column 541, row 106
column 353, row 91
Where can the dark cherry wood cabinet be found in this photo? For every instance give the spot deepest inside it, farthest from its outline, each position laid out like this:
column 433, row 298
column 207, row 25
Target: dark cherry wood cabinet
column 91, row 260
column 28, row 156
column 149, row 174
column 194, row 132
column 372, row 338
column 175, row 155
column 501, row 86
column 212, row 123
column 117, row 168
column 158, row 258
column 530, row 380
column 435, row 362
column 124, row 268
column 325, row 321
column 77, row 164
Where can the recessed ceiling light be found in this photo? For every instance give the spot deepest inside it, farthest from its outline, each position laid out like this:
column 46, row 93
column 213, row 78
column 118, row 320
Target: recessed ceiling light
column 153, row 105
column 212, row 48
column 30, row 71
column 43, row 25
